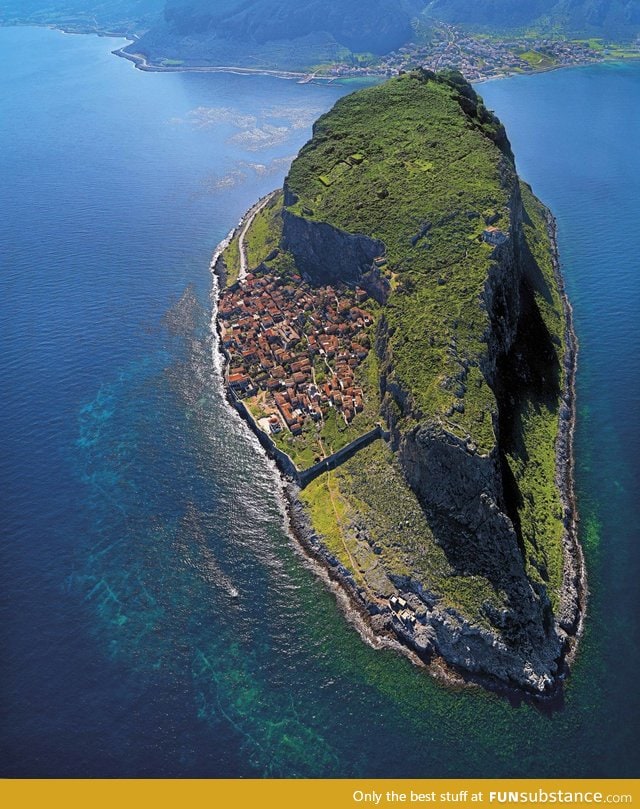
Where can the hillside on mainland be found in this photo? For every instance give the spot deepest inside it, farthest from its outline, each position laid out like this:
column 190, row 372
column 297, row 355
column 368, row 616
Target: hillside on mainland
column 286, row 34
column 306, row 34
column 608, row 18
column 303, row 35
column 126, row 17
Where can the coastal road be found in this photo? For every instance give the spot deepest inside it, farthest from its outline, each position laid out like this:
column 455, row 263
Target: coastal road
column 244, row 227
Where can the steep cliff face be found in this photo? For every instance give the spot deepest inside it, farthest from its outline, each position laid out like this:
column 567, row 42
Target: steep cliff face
column 460, row 484
column 467, row 495
column 472, row 343
column 463, row 495
column 325, row 253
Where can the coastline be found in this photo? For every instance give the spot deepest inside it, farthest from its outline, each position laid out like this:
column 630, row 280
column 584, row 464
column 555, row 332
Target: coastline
column 554, row 68
column 367, row 617
column 575, row 587
column 140, row 61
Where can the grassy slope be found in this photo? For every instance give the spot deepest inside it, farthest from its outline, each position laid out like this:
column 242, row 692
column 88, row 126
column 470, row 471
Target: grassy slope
column 369, row 496
column 424, row 163
column 263, row 235
column 232, row 261
column 265, row 232
column 537, row 60
column 532, row 458
column 426, row 167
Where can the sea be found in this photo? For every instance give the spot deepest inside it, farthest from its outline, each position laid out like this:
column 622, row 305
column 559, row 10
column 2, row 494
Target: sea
column 156, row 617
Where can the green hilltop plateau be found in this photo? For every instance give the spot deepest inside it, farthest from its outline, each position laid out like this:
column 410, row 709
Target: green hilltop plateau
column 403, row 343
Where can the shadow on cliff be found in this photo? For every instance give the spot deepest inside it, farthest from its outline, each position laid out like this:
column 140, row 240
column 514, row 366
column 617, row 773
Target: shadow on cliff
column 528, row 379
column 528, row 376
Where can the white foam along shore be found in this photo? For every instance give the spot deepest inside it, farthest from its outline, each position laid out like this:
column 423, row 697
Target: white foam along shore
column 240, row 230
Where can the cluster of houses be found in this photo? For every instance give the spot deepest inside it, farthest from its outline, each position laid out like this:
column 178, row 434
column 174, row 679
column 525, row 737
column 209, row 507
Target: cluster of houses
column 300, row 345
column 477, row 57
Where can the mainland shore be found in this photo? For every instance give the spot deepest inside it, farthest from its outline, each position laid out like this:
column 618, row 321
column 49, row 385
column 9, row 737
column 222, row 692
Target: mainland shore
column 140, row 61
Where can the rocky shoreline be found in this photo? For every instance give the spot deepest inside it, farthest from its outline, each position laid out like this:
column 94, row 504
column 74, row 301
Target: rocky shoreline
column 376, row 624
column 574, row 592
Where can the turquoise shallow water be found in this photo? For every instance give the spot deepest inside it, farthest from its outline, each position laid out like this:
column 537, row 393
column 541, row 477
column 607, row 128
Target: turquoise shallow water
column 156, row 617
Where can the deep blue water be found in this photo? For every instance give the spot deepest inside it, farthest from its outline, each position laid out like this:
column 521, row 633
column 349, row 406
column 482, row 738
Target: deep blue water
column 134, row 503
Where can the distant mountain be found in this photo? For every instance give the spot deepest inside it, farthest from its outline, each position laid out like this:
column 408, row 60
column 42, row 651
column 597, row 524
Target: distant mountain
column 286, row 33
column 613, row 18
column 360, row 25
column 126, row 16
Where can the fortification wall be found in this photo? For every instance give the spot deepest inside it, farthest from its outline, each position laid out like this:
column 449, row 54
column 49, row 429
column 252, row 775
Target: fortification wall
column 333, row 461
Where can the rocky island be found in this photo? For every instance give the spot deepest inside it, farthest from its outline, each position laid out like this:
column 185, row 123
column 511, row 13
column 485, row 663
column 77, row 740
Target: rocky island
column 397, row 335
